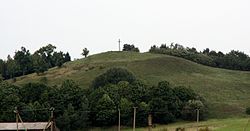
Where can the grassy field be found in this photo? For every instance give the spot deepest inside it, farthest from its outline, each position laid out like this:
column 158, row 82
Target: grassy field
column 213, row 125
column 226, row 91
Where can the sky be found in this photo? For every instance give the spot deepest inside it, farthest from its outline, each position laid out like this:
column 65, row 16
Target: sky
column 72, row 25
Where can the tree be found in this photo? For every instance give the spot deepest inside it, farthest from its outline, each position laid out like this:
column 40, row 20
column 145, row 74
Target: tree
column 126, row 111
column 163, row 46
column 192, row 50
column 248, row 110
column 105, row 111
column 128, row 47
column 39, row 63
column 9, row 99
column 190, row 109
column 160, row 111
column 184, row 94
column 58, row 58
column 47, row 54
column 82, row 119
column 67, row 118
column 67, row 57
column 85, row 52
column 206, row 51
column 113, row 76
column 1, row 66
column 235, row 60
column 11, row 67
column 23, row 59
column 169, row 108
column 32, row 92
column 142, row 114
column 138, row 92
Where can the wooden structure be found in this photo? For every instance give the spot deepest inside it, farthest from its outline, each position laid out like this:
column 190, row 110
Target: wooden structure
column 30, row 126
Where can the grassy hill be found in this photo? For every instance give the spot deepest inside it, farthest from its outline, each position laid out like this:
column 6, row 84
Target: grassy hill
column 227, row 92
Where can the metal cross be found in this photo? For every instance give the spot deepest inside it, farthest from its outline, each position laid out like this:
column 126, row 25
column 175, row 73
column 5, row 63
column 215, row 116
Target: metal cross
column 119, row 41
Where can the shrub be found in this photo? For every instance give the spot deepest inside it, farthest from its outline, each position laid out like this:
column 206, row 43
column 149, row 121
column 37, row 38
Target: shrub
column 248, row 110
column 113, row 76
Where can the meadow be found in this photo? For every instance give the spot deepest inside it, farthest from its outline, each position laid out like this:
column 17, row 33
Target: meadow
column 232, row 124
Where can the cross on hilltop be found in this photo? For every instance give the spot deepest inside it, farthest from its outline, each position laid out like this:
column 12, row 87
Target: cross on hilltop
column 119, row 42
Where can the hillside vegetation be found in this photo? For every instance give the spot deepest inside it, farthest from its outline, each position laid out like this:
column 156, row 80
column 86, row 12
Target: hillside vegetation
column 213, row 124
column 226, row 91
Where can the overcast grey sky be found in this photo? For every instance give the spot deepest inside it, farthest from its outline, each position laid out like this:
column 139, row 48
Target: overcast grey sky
column 98, row 24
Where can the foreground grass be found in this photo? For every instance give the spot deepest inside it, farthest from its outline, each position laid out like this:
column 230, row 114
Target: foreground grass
column 226, row 91
column 232, row 124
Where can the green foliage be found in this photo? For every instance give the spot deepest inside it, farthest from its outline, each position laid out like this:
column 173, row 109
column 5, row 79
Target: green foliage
column 11, row 67
column 34, row 100
column 160, row 111
column 138, row 92
column 9, row 99
column 85, row 52
column 248, row 110
column 235, row 60
column 77, row 108
column 73, row 118
column 126, row 111
column 105, row 111
column 33, row 112
column 142, row 114
column 189, row 111
column 23, row 59
column 39, row 63
column 113, row 76
column 128, row 47
column 1, row 67
column 67, row 57
column 184, row 94
column 26, row 63
column 58, row 58
column 32, row 92
column 164, row 93
column 164, row 102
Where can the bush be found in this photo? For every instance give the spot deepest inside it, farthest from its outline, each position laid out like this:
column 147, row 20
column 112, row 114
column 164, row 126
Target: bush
column 113, row 76
column 248, row 110
column 189, row 111
column 128, row 47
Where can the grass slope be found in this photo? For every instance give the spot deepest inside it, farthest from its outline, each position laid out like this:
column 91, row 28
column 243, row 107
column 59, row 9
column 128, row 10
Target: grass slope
column 226, row 91
column 213, row 124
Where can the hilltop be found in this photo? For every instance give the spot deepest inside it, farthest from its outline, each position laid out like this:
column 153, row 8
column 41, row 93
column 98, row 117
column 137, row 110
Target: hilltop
column 226, row 91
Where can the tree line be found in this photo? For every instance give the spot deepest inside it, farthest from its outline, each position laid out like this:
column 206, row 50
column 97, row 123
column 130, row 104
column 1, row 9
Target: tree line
column 23, row 62
column 234, row 60
column 117, row 88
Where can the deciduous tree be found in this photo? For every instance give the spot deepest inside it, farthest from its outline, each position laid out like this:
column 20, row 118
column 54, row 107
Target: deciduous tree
column 85, row 52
